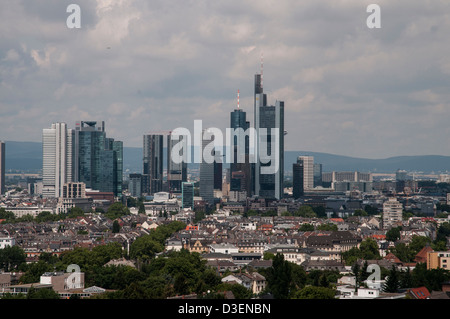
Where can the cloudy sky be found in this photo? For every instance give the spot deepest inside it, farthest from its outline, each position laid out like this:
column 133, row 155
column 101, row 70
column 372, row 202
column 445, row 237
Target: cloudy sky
column 145, row 65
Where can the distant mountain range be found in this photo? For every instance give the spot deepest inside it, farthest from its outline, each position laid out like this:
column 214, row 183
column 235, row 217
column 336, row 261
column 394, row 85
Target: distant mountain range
column 27, row 156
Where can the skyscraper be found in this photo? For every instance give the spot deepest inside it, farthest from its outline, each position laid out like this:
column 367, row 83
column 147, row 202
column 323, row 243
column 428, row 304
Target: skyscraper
column 152, row 177
column 187, row 195
column 297, row 179
column 98, row 159
column 176, row 172
column 135, row 184
column 57, row 159
column 269, row 126
column 207, row 171
column 240, row 167
column 308, row 172
column 317, row 174
column 2, row 167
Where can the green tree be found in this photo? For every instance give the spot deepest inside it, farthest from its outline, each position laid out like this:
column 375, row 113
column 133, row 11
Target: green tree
column 11, row 257
column 115, row 227
column 369, row 249
column 305, row 211
column 306, row 227
column 279, row 277
column 117, row 210
column 239, row 291
column 313, row 292
column 392, row 282
column 42, row 293
column 34, row 271
column 393, row 234
column 327, row 227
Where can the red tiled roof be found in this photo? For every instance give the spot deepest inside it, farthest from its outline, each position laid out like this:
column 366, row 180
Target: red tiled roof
column 391, row 257
column 420, row 292
column 422, row 254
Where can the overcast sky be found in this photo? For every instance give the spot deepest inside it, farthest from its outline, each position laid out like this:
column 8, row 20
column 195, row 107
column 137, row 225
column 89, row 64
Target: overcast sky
column 156, row 65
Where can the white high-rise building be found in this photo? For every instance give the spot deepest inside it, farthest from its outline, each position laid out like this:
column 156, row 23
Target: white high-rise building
column 392, row 213
column 57, row 159
column 308, row 171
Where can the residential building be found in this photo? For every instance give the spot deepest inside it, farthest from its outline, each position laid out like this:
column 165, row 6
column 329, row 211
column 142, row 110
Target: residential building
column 7, row 242
column 74, row 195
column 438, row 259
column 57, row 159
column 392, row 213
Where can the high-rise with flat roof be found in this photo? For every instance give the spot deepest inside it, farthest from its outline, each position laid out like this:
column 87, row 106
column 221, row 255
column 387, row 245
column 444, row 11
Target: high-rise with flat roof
column 98, row 159
column 152, row 177
column 392, row 213
column 308, row 172
column 187, row 195
column 57, row 159
column 207, row 170
column 176, row 172
column 297, row 179
column 2, row 167
column 240, row 165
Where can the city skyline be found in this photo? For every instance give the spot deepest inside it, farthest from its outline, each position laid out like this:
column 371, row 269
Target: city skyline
column 351, row 90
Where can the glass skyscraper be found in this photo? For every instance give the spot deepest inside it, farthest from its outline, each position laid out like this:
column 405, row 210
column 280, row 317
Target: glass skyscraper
column 176, row 172
column 240, row 167
column 152, row 177
column 207, row 173
column 269, row 119
column 187, row 195
column 98, row 159
column 2, row 168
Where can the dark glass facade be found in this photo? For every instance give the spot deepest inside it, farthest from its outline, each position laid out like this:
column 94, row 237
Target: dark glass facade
column 153, row 152
column 268, row 117
column 98, row 159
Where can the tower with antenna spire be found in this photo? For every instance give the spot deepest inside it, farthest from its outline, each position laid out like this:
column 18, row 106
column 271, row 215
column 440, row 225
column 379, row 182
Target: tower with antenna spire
column 266, row 118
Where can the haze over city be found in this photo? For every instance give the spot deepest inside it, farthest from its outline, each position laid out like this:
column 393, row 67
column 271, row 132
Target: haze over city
column 143, row 66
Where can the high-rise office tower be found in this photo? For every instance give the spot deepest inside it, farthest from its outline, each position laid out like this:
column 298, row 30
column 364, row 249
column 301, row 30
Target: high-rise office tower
column 187, row 195
column 152, row 177
column 218, row 173
column 269, row 126
column 98, row 159
column 297, row 179
column 2, row 167
column 308, row 172
column 207, row 171
column 176, row 172
column 135, row 185
column 57, row 159
column 240, row 167
column 317, row 174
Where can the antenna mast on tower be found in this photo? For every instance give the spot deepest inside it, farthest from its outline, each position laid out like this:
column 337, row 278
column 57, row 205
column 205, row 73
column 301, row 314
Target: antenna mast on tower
column 262, row 68
column 238, row 99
